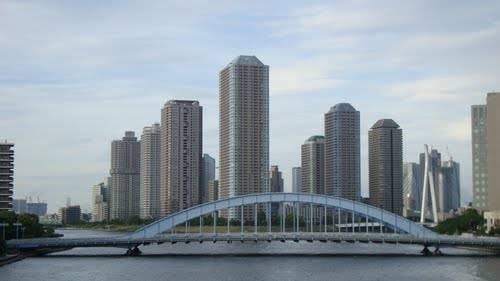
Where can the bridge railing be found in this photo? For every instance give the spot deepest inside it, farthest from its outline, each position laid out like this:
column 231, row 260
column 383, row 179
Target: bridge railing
column 245, row 208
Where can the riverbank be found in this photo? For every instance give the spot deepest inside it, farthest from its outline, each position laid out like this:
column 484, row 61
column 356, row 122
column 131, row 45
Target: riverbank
column 108, row 228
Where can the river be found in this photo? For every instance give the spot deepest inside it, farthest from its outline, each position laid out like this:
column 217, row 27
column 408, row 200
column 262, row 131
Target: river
column 253, row 261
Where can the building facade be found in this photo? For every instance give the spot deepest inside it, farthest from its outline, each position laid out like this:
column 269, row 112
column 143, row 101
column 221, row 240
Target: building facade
column 150, row 172
column 6, row 175
column 276, row 179
column 100, row 202
column 125, row 177
column 213, row 190
column 412, row 187
column 244, row 131
column 479, row 157
column 449, row 186
column 342, row 152
column 313, row 165
column 385, row 159
column 435, row 162
column 493, row 147
column 208, row 175
column 181, row 155
column 296, row 179
column 70, row 214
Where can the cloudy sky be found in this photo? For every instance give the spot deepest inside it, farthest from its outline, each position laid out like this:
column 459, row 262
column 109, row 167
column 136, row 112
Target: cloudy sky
column 75, row 74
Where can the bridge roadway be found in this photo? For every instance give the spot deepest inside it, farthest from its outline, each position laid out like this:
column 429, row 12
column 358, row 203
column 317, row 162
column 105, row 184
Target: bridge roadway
column 438, row 241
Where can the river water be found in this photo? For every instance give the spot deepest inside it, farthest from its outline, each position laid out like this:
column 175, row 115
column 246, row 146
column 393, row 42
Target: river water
column 253, row 261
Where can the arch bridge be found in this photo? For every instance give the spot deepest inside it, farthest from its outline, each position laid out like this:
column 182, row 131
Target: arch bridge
column 301, row 217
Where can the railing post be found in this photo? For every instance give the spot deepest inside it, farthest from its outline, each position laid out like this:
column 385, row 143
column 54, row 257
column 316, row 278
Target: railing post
column 268, row 217
column 241, row 228
column 311, row 217
column 339, row 220
column 214, row 218
column 326, row 218
column 255, row 219
column 228, row 219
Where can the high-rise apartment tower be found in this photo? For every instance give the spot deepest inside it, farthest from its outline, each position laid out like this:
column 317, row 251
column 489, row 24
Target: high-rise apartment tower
column 181, row 155
column 342, row 152
column 385, row 158
column 244, row 130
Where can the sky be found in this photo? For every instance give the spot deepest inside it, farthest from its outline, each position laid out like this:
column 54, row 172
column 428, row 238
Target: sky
column 74, row 75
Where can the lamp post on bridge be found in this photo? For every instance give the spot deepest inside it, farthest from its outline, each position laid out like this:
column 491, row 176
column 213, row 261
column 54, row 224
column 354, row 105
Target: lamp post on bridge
column 17, row 225
column 3, row 225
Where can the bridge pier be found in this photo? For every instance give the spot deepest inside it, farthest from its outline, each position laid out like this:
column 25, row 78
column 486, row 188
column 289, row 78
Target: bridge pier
column 133, row 251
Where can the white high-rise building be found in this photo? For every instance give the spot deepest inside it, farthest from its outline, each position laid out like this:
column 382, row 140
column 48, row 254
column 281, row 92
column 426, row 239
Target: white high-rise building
column 244, row 131
column 181, row 155
column 125, row 177
column 150, row 172
column 100, row 202
column 296, row 179
column 479, row 157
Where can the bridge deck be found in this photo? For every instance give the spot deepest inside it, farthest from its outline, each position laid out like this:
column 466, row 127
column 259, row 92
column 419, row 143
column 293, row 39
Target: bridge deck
column 438, row 240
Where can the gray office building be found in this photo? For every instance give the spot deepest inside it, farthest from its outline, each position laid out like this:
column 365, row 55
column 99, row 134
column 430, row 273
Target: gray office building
column 449, row 186
column 435, row 161
column 385, row 159
column 125, row 177
column 244, row 131
column 150, row 172
column 6, row 175
column 479, row 157
column 208, row 175
column 412, row 187
column 181, row 155
column 313, row 165
column 296, row 179
column 342, row 152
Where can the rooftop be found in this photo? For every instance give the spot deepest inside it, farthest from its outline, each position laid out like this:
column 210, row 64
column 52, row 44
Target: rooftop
column 345, row 107
column 315, row 138
column 385, row 123
column 247, row 60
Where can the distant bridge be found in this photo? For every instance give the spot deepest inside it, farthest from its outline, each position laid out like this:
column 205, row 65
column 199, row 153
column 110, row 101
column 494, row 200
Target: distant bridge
column 327, row 219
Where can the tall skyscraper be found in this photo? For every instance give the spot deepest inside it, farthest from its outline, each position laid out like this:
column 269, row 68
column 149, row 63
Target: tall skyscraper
column 125, row 177
column 342, row 152
column 493, row 147
column 385, row 158
column 276, row 186
column 181, row 155
column 6, row 175
column 435, row 162
column 276, row 179
column 479, row 157
column 244, row 130
column 208, row 175
column 100, row 202
column 296, row 179
column 313, row 165
column 449, row 186
column 412, row 187
column 150, row 172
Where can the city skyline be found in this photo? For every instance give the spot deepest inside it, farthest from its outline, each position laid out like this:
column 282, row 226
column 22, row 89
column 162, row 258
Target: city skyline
column 62, row 100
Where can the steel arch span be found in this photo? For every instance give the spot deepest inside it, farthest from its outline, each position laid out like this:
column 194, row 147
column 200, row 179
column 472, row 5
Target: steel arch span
column 387, row 218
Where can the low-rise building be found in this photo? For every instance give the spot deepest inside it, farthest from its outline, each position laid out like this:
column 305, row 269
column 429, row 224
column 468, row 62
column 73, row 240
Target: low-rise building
column 70, row 214
column 492, row 220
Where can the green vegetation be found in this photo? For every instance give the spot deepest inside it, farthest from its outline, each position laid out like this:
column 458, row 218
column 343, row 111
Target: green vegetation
column 30, row 228
column 471, row 221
